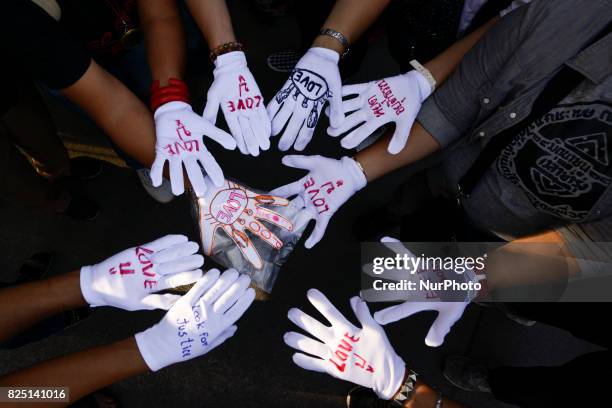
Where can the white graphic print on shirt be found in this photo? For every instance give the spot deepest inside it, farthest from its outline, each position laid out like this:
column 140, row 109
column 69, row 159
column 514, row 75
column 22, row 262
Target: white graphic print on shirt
column 562, row 162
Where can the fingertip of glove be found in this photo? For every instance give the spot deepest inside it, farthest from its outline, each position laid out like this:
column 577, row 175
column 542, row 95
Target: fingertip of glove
column 231, row 330
column 433, row 343
column 230, row 274
column 199, row 258
column 379, row 317
column 212, row 274
column 292, row 313
column 393, row 148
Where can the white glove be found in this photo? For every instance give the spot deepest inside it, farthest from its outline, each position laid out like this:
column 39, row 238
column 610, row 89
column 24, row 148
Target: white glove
column 199, row 321
column 179, row 141
column 314, row 80
column 235, row 89
column 128, row 279
column 362, row 356
column 236, row 210
column 397, row 99
column 448, row 312
column 328, row 184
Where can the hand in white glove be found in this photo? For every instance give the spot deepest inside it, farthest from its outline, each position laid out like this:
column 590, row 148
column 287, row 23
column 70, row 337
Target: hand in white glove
column 236, row 210
column 179, row 141
column 420, row 300
column 235, row 89
column 397, row 99
column 362, row 356
column 314, row 80
column 328, row 184
column 449, row 313
column 129, row 279
column 199, row 321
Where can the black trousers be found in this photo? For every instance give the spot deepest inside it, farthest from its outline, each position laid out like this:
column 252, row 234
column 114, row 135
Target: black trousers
column 581, row 382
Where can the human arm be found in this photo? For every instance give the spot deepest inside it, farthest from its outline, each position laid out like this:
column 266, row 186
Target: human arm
column 164, row 38
column 127, row 280
column 316, row 80
column 198, row 322
column 539, row 261
column 351, row 18
column 25, row 305
column 398, row 99
column 234, row 88
column 214, row 20
column 82, row 372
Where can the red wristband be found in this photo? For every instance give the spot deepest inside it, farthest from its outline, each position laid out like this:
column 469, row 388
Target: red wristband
column 175, row 91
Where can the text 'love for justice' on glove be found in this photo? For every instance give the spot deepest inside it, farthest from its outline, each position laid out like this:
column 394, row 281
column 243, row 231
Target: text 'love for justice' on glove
column 199, row 321
column 247, row 229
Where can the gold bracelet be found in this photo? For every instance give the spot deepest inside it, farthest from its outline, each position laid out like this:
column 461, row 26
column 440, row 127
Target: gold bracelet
column 226, row 48
column 360, row 166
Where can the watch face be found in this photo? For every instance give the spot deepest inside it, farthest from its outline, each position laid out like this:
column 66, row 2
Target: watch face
column 132, row 38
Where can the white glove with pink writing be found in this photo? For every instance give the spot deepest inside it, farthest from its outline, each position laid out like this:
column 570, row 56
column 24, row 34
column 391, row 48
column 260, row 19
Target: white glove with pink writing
column 235, row 89
column 362, row 356
column 328, row 184
column 129, row 279
column 314, row 80
column 199, row 321
column 235, row 209
column 421, row 300
column 179, row 142
column 397, row 99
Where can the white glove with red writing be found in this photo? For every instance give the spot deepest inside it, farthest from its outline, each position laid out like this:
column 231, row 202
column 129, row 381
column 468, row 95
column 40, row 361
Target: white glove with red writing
column 129, row 279
column 314, row 80
column 179, row 141
column 421, row 300
column 199, row 321
column 235, row 89
column 362, row 356
column 328, row 184
column 235, row 209
column 397, row 99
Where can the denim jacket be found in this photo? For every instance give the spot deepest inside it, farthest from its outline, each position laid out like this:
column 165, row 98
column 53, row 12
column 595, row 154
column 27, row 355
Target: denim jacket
column 497, row 82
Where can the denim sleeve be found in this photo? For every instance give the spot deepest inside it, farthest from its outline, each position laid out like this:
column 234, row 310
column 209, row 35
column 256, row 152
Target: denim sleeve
column 453, row 109
column 591, row 244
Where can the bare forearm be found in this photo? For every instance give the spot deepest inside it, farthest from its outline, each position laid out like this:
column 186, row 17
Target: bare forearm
column 377, row 161
column 85, row 371
column 426, row 397
column 164, row 38
column 117, row 111
column 351, row 18
column 213, row 18
column 25, row 305
column 542, row 259
column 444, row 64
